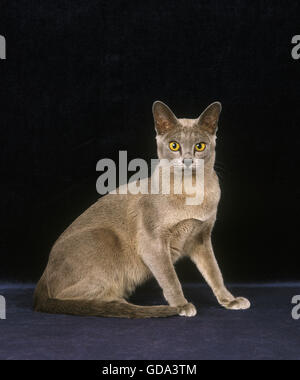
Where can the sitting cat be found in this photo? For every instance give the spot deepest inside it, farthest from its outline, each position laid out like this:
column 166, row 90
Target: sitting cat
column 124, row 239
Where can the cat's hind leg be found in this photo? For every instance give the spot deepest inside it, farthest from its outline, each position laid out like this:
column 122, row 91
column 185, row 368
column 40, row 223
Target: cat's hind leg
column 90, row 280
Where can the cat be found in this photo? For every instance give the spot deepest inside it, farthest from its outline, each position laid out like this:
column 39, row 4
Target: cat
column 124, row 239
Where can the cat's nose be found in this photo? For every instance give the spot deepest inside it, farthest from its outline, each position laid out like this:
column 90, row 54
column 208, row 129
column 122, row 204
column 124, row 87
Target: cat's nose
column 188, row 162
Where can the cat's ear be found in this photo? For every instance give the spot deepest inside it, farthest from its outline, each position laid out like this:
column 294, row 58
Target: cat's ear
column 209, row 118
column 164, row 119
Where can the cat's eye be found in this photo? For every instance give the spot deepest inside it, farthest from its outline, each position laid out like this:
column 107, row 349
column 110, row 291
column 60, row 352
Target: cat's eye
column 174, row 146
column 200, row 147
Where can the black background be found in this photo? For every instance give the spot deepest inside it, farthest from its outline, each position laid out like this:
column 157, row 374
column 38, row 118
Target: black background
column 78, row 85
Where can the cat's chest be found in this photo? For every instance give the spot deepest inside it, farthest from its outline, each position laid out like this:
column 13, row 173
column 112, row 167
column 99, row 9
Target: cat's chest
column 203, row 211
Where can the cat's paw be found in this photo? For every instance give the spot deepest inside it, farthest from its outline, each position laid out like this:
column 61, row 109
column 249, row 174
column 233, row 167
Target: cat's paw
column 238, row 303
column 187, row 310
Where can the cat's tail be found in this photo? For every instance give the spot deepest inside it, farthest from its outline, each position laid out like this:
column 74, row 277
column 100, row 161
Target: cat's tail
column 121, row 309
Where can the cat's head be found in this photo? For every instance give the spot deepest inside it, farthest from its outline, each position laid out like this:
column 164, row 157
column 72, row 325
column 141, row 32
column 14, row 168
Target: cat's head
column 186, row 140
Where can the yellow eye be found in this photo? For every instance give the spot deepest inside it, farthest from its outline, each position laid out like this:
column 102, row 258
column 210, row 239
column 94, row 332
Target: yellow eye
column 200, row 147
column 174, row 146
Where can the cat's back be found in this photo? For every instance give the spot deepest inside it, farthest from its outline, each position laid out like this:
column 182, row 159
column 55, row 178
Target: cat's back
column 112, row 211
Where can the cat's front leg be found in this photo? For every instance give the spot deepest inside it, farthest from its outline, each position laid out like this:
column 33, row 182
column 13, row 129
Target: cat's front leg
column 156, row 256
column 201, row 252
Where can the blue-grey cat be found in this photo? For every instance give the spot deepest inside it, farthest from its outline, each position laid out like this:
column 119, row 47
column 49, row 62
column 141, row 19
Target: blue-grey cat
column 124, row 239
